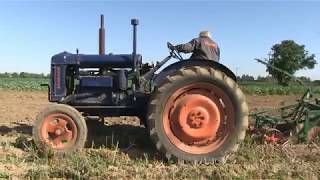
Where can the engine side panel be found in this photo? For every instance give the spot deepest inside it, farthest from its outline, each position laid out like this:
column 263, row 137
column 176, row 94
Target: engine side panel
column 67, row 67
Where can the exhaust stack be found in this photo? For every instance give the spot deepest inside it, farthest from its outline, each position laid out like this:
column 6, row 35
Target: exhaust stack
column 134, row 23
column 102, row 48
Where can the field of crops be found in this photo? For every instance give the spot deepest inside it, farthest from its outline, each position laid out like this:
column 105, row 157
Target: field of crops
column 270, row 88
column 252, row 88
column 23, row 84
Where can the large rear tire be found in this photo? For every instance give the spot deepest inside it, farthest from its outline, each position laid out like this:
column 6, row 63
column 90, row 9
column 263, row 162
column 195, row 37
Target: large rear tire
column 197, row 114
column 60, row 129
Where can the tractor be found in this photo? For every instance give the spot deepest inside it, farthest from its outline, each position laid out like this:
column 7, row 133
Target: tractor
column 193, row 109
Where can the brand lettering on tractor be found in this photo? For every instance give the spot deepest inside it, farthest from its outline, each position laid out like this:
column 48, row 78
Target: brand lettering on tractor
column 57, row 72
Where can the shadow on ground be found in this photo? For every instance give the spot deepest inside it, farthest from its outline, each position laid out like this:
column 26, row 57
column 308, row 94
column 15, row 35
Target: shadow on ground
column 15, row 128
column 130, row 139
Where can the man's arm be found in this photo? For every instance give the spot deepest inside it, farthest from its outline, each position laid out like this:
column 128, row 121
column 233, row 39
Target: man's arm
column 188, row 47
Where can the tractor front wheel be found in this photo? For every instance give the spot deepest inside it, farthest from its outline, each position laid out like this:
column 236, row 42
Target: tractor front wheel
column 60, row 129
column 197, row 114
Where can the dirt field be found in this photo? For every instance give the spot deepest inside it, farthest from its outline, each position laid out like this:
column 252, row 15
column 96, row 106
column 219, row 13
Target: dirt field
column 121, row 149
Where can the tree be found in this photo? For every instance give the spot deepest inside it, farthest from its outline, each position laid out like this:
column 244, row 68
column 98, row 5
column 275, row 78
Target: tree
column 304, row 79
column 15, row 75
column 316, row 82
column 22, row 75
column 265, row 79
column 246, row 77
column 290, row 57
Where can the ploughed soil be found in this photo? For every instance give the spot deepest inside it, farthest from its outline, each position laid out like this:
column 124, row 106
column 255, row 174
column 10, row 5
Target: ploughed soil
column 23, row 107
column 126, row 136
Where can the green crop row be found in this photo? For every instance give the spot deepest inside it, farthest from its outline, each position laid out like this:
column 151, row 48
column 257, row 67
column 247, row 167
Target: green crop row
column 275, row 89
column 258, row 88
column 23, row 84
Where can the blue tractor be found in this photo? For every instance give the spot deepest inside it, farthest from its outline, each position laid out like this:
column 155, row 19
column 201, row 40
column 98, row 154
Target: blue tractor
column 193, row 109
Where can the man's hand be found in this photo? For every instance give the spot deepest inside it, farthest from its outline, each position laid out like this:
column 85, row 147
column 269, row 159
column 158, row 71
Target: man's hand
column 175, row 47
column 172, row 48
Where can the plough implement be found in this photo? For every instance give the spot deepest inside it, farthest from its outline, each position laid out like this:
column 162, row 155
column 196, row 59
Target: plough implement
column 298, row 122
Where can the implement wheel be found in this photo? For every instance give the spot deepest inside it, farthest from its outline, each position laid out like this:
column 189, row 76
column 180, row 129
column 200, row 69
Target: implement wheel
column 314, row 134
column 197, row 114
column 60, row 129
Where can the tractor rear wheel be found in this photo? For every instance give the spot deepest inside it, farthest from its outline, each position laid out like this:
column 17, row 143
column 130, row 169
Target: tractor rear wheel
column 59, row 129
column 197, row 114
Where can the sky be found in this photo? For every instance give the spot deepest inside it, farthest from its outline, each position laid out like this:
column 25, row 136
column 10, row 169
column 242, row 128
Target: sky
column 32, row 32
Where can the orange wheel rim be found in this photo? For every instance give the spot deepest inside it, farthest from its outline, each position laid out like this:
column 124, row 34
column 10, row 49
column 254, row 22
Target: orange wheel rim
column 198, row 118
column 313, row 134
column 59, row 131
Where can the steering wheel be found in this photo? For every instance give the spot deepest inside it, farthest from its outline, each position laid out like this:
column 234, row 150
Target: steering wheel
column 174, row 52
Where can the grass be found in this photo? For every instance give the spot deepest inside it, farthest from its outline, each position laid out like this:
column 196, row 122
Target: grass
column 252, row 161
column 4, row 175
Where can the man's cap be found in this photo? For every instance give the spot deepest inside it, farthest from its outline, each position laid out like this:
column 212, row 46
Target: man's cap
column 205, row 34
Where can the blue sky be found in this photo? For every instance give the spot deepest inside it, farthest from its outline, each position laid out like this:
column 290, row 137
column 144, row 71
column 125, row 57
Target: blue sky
column 31, row 32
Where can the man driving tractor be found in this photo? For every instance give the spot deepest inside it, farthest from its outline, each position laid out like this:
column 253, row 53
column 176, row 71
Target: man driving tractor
column 202, row 47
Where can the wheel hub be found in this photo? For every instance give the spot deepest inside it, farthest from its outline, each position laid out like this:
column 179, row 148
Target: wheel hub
column 59, row 131
column 195, row 119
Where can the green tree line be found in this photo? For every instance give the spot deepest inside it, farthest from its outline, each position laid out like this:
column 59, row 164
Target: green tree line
column 269, row 78
column 23, row 75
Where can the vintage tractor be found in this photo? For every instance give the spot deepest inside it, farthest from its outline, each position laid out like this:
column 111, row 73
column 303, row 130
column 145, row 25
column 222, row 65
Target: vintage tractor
column 193, row 109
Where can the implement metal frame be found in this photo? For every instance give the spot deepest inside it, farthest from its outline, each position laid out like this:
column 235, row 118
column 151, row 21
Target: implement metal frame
column 305, row 113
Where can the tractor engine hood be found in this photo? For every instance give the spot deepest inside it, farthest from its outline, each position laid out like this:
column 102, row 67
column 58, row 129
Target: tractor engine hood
column 97, row 61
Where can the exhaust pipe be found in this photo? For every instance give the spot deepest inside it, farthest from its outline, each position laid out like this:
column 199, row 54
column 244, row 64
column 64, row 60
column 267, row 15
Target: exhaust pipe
column 102, row 47
column 134, row 23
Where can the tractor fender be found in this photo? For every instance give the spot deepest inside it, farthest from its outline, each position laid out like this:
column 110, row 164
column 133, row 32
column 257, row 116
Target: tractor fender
column 193, row 62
